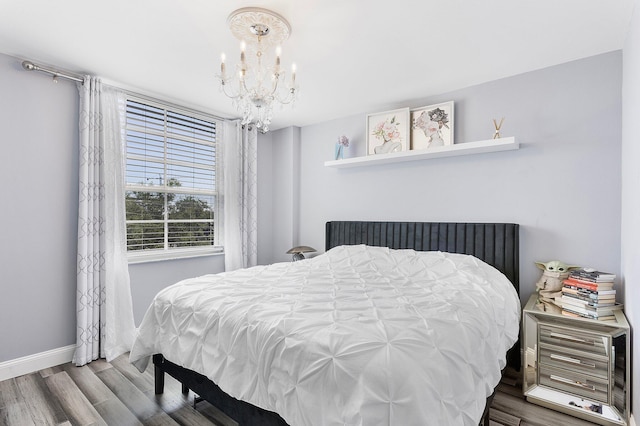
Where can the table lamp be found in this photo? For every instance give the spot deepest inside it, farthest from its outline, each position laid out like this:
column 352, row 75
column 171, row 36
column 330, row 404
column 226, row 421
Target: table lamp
column 298, row 251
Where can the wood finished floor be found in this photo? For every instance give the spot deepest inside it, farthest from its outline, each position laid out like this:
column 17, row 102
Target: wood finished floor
column 116, row 393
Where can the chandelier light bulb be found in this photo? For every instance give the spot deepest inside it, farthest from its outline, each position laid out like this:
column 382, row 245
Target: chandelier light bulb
column 277, row 68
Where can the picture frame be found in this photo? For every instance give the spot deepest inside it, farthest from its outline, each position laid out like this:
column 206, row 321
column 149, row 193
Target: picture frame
column 432, row 126
column 388, row 131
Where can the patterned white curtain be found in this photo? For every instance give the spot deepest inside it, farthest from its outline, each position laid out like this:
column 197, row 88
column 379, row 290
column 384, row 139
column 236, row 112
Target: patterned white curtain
column 105, row 325
column 240, row 158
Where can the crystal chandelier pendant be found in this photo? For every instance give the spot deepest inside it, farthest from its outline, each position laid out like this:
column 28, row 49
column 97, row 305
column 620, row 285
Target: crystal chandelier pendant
column 258, row 83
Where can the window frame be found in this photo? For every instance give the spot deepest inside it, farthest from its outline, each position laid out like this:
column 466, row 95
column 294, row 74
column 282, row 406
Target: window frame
column 167, row 253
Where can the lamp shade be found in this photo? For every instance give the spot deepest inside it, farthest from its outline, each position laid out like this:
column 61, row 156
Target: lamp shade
column 301, row 249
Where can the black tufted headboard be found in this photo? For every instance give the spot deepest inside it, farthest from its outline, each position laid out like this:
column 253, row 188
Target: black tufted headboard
column 494, row 243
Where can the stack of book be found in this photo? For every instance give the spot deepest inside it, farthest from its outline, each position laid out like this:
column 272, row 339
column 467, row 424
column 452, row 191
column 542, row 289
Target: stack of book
column 588, row 293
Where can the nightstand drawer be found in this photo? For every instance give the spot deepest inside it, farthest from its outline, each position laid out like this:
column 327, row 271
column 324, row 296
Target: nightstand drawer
column 592, row 343
column 589, row 387
column 578, row 361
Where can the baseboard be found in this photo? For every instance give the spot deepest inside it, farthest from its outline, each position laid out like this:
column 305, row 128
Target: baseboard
column 30, row 363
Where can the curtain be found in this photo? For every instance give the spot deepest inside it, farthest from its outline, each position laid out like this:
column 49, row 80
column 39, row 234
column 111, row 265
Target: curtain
column 240, row 195
column 105, row 325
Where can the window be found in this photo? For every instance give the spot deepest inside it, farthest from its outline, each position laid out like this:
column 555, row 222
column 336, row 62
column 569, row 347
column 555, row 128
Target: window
column 171, row 193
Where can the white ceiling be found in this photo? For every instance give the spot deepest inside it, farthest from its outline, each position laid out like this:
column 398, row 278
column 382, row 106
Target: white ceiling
column 352, row 56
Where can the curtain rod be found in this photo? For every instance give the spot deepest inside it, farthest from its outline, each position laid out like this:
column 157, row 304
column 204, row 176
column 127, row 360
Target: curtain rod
column 30, row 66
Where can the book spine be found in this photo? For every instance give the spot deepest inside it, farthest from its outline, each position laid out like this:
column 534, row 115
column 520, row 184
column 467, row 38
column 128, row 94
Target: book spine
column 603, row 294
column 592, row 300
column 588, row 311
column 589, row 315
column 592, row 276
column 588, row 293
column 591, row 280
column 579, row 301
column 587, row 285
column 576, row 313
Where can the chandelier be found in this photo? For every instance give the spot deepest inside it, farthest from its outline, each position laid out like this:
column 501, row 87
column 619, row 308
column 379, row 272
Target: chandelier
column 258, row 83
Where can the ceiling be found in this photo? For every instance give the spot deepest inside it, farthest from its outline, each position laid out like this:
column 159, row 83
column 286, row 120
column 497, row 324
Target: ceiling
column 352, row 56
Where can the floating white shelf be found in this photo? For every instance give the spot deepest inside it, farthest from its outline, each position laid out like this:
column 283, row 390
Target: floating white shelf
column 477, row 147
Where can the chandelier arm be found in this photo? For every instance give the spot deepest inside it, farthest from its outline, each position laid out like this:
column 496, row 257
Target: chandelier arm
column 244, row 90
column 243, row 85
column 276, row 80
column 290, row 98
column 229, row 95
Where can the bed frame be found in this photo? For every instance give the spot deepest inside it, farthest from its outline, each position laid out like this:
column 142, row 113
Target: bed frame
column 495, row 243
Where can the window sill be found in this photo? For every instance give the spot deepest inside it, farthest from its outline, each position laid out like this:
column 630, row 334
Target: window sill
column 162, row 255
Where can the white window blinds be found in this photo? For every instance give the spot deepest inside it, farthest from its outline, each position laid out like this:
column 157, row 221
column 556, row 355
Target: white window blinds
column 171, row 194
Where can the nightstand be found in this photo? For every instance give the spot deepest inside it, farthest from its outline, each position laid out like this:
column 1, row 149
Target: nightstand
column 577, row 366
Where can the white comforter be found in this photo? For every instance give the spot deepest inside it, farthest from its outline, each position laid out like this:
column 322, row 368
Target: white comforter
column 357, row 336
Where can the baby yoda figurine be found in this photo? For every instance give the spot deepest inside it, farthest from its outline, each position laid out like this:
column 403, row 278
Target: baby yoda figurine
column 549, row 286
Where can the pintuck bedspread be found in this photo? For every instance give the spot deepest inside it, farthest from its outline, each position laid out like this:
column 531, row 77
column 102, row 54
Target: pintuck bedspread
column 357, row 336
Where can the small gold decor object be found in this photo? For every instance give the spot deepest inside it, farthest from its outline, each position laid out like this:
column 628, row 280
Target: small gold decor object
column 496, row 134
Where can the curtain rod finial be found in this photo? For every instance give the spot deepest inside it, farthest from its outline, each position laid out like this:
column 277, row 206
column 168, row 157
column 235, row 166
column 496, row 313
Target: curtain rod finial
column 29, row 66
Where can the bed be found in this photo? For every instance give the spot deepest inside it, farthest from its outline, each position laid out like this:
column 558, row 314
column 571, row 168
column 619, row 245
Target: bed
column 356, row 336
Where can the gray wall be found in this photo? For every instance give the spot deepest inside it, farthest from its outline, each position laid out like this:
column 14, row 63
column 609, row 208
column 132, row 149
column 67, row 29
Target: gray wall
column 278, row 194
column 149, row 278
column 630, row 193
column 38, row 218
column 38, row 215
column 562, row 186
column 265, row 199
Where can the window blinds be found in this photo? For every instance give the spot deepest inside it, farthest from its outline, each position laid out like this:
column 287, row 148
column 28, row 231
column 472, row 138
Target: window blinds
column 171, row 192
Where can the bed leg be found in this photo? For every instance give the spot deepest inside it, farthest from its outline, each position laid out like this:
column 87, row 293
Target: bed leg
column 196, row 400
column 485, row 421
column 158, row 373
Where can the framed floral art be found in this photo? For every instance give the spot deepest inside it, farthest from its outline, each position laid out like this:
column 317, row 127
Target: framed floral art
column 432, row 126
column 388, row 131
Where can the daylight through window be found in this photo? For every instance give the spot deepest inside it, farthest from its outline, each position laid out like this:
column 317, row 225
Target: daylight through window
column 171, row 196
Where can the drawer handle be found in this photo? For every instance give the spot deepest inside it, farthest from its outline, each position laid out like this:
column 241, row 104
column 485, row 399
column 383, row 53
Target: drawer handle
column 572, row 382
column 571, row 338
column 572, row 360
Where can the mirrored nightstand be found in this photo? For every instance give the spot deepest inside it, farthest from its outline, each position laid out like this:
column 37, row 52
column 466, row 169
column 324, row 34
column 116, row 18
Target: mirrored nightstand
column 577, row 366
